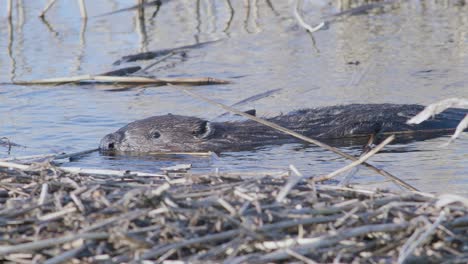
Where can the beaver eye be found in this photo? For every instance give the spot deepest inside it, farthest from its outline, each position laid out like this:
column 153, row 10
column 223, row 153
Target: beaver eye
column 155, row 135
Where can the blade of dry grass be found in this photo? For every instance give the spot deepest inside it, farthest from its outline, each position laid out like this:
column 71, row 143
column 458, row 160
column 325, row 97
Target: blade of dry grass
column 302, row 137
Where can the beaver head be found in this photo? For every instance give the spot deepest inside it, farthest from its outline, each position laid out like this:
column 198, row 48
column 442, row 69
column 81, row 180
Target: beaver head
column 167, row 133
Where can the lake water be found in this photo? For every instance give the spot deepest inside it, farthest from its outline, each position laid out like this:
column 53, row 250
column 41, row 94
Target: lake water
column 405, row 52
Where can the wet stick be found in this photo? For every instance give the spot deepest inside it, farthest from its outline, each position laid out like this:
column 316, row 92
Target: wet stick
column 302, row 137
column 88, row 78
column 51, row 156
column 83, row 170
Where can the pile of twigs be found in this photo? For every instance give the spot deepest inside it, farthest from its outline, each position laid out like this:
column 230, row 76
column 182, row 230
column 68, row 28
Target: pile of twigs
column 48, row 215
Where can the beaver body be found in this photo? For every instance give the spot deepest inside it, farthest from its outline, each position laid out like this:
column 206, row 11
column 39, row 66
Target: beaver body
column 175, row 133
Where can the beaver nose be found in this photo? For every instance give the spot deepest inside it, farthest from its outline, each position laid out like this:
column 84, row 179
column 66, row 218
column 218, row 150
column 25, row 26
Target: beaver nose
column 110, row 141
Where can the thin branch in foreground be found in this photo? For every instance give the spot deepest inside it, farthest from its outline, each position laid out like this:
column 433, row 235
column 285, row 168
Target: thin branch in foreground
column 299, row 136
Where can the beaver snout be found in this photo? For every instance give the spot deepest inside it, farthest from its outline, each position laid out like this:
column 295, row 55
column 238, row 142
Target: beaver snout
column 110, row 142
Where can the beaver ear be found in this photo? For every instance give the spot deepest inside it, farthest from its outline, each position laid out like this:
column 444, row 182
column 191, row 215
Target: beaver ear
column 251, row 112
column 204, row 129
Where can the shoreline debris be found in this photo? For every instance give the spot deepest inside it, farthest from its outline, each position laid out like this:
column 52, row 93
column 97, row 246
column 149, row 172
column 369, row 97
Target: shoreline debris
column 48, row 214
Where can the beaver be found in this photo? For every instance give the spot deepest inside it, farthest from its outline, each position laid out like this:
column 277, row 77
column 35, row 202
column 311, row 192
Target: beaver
column 177, row 133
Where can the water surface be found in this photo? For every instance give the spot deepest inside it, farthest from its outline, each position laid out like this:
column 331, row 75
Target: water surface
column 408, row 52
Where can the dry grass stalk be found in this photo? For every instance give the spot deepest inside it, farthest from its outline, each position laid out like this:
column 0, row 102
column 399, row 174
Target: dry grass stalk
column 302, row 137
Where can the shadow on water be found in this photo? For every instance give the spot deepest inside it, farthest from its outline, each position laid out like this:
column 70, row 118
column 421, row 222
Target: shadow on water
column 401, row 52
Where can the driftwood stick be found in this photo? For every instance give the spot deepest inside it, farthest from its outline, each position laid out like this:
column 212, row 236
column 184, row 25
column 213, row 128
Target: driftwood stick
column 302, row 137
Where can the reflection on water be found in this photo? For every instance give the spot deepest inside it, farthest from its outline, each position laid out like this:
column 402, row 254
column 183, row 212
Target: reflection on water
column 406, row 52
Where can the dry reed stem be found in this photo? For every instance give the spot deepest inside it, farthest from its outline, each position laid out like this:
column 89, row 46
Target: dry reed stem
column 302, row 137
